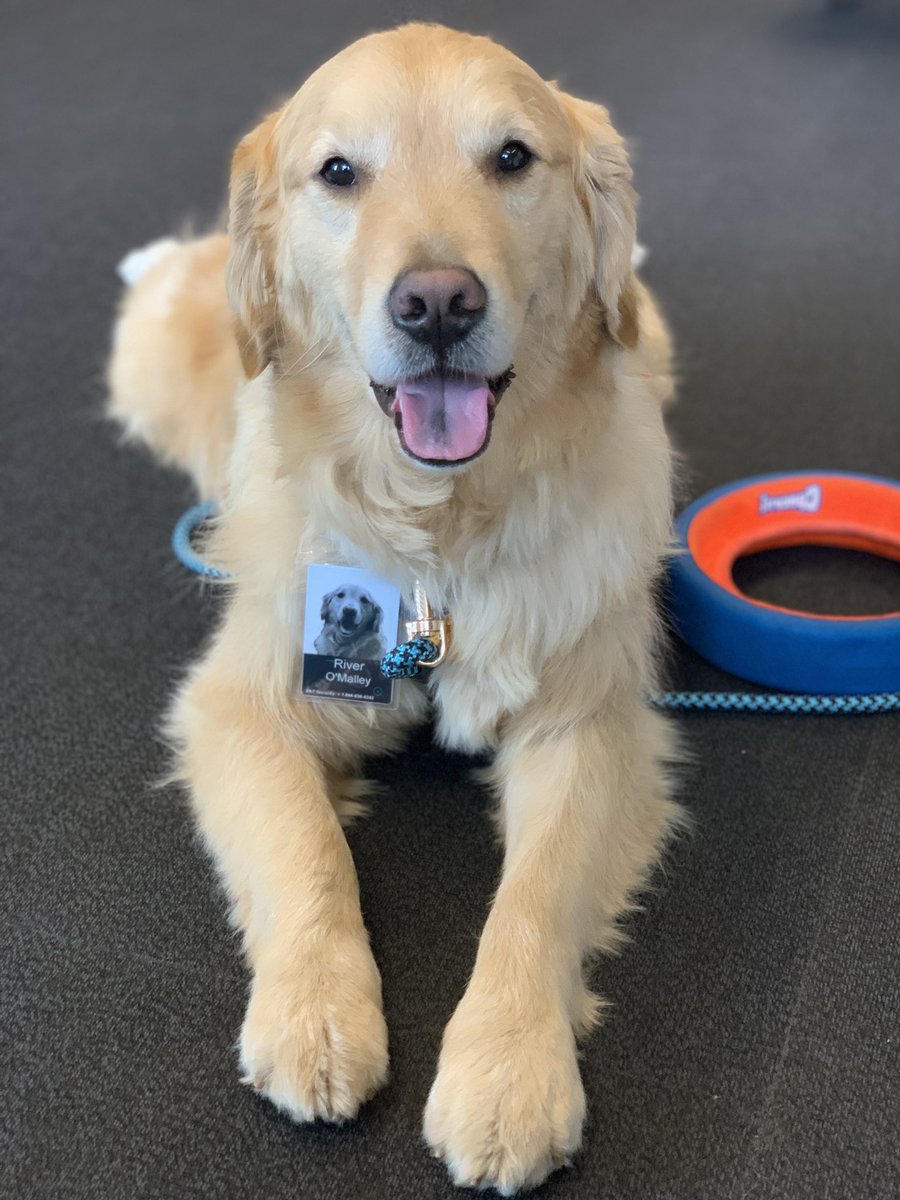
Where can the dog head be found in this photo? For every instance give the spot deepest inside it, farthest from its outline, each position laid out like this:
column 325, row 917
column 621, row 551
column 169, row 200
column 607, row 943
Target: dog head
column 350, row 611
column 428, row 208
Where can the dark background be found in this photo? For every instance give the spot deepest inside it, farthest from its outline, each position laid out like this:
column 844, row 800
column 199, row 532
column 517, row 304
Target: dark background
column 751, row 1051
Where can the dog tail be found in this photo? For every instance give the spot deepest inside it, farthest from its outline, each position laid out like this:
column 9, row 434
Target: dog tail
column 175, row 367
column 138, row 262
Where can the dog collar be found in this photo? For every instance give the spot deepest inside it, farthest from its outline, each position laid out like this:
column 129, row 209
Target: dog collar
column 426, row 648
column 428, row 639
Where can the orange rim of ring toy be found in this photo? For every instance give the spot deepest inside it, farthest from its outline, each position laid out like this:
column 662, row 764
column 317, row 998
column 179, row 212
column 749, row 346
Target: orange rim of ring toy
column 775, row 646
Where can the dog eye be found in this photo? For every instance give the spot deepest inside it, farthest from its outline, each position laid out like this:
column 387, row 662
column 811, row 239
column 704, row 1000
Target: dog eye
column 341, row 595
column 338, row 173
column 514, row 156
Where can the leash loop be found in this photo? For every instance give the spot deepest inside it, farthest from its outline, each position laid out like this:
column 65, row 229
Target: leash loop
column 183, row 544
column 428, row 640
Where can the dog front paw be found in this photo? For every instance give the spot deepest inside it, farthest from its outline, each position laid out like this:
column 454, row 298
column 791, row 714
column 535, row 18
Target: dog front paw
column 507, row 1106
column 314, row 1041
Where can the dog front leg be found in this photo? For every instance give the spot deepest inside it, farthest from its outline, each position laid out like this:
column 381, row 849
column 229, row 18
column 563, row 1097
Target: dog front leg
column 314, row 1039
column 584, row 815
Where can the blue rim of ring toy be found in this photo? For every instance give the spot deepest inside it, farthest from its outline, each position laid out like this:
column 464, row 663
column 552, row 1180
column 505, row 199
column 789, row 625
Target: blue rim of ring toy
column 777, row 647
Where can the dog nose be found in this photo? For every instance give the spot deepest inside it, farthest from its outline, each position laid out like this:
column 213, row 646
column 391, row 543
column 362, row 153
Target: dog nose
column 348, row 613
column 437, row 307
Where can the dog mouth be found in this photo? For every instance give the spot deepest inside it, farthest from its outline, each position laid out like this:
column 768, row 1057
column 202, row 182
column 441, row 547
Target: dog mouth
column 443, row 419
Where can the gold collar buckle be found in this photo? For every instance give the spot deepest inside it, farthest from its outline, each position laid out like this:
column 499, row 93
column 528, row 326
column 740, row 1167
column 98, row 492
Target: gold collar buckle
column 437, row 629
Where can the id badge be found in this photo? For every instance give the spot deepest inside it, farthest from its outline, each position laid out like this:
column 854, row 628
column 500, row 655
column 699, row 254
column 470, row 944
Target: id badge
column 351, row 620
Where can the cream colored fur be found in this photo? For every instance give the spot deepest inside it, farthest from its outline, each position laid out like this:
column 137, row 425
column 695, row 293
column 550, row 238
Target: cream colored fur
column 545, row 550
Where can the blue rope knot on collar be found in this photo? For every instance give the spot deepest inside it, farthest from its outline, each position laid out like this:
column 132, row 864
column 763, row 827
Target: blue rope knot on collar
column 405, row 660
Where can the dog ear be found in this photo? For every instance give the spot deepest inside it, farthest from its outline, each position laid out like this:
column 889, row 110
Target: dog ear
column 251, row 230
column 326, row 602
column 377, row 614
column 604, row 188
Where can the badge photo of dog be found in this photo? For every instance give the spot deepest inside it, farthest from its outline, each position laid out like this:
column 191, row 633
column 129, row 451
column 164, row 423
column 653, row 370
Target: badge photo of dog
column 352, row 624
column 422, row 349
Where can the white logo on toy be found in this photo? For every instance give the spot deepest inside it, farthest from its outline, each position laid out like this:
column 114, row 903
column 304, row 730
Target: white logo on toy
column 807, row 501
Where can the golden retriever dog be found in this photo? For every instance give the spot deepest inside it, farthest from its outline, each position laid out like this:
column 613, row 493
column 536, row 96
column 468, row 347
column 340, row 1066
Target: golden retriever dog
column 437, row 364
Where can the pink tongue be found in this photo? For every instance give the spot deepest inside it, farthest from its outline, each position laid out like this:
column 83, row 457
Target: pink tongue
column 444, row 419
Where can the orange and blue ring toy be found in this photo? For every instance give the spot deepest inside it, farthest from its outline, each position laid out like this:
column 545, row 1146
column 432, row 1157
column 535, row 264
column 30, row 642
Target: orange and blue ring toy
column 782, row 647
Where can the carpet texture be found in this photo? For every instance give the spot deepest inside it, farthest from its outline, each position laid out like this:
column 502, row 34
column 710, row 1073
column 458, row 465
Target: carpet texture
column 751, row 1050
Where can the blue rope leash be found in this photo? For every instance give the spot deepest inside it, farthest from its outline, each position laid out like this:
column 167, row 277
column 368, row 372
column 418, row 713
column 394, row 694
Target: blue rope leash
column 405, row 661
column 183, row 540
column 775, row 702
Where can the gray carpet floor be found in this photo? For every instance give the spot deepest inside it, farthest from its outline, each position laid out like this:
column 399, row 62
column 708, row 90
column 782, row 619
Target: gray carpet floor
column 751, row 1051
